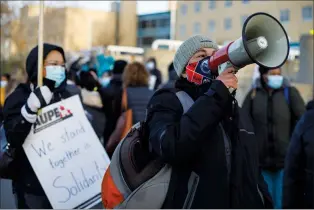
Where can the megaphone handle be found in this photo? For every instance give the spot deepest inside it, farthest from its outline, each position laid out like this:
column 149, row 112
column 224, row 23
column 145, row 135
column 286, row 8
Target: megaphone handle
column 221, row 68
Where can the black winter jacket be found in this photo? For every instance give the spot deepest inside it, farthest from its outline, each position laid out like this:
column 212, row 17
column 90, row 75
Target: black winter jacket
column 17, row 129
column 111, row 96
column 194, row 142
column 298, row 187
column 138, row 98
column 273, row 119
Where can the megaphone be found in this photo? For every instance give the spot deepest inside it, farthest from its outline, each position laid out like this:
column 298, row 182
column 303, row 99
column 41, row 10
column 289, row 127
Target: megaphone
column 264, row 41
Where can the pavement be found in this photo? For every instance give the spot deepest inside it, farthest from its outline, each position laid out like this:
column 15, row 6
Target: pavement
column 6, row 196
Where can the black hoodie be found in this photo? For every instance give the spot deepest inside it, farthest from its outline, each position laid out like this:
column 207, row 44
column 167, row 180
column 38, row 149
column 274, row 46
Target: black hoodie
column 32, row 63
column 17, row 128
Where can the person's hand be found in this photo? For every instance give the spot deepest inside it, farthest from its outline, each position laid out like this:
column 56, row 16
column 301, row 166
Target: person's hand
column 229, row 78
column 39, row 98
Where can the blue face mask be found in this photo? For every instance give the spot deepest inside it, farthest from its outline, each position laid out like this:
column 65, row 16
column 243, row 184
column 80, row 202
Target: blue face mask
column 56, row 73
column 275, row 81
column 3, row 84
column 105, row 81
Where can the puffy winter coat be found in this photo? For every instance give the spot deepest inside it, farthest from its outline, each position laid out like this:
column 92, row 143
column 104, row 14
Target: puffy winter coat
column 274, row 116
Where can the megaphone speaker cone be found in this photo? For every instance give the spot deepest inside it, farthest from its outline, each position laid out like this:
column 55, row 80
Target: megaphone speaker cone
column 265, row 40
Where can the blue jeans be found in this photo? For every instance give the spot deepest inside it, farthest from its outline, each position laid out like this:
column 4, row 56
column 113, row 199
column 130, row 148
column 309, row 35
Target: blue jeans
column 274, row 181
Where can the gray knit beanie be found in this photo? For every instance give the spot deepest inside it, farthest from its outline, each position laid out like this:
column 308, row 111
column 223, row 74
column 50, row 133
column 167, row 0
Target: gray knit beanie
column 188, row 48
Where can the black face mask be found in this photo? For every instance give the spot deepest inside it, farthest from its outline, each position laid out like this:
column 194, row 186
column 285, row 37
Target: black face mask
column 199, row 72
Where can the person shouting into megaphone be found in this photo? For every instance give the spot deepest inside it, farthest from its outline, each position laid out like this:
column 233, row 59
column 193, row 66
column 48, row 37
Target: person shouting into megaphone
column 20, row 113
column 209, row 143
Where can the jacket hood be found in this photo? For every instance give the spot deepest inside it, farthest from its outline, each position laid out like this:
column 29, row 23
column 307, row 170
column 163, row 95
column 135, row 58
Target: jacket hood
column 32, row 62
column 258, row 83
column 310, row 105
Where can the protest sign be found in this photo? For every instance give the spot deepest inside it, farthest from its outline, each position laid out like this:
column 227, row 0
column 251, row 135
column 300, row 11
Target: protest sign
column 67, row 156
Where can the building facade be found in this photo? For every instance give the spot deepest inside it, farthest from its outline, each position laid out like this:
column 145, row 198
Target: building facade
column 151, row 27
column 222, row 20
column 78, row 28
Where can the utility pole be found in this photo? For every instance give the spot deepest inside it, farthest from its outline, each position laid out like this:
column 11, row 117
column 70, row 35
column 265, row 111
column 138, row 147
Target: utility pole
column 173, row 17
column 117, row 12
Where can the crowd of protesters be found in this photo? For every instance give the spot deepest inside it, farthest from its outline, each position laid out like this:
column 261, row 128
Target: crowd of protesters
column 264, row 148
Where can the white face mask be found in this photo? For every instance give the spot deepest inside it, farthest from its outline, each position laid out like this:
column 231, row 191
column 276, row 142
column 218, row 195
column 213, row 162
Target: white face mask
column 150, row 66
column 56, row 73
column 105, row 81
column 3, row 83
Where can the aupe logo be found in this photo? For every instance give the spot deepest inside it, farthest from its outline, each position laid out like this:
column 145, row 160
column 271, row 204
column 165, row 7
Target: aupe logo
column 51, row 117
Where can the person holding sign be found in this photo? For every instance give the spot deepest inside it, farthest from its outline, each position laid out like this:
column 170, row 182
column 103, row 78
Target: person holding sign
column 20, row 113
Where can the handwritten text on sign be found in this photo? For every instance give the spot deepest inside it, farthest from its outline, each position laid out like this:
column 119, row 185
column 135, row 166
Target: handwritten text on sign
column 66, row 155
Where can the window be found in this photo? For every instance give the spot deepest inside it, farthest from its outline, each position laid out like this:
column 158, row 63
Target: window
column 245, row 1
column 147, row 40
column 197, row 28
column 163, row 22
column 228, row 23
column 228, row 3
column 212, row 4
column 143, row 24
column 211, row 26
column 184, row 9
column 197, row 6
column 243, row 18
column 153, row 23
column 284, row 15
column 307, row 13
column 182, row 30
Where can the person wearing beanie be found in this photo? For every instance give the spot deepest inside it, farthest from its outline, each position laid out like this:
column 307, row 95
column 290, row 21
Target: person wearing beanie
column 275, row 106
column 20, row 113
column 210, row 145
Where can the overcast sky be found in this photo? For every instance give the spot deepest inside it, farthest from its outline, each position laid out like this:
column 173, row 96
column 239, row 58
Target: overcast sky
column 143, row 7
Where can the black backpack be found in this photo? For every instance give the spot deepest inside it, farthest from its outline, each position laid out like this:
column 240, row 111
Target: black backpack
column 137, row 178
column 6, row 156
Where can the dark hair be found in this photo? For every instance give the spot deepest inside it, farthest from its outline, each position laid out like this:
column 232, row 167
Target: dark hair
column 171, row 67
column 263, row 70
column 118, row 66
column 8, row 76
